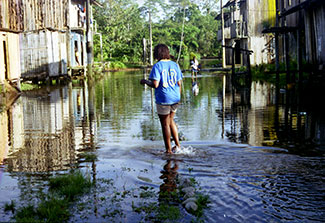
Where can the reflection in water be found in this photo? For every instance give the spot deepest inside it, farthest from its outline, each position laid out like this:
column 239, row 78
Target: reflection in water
column 195, row 88
column 11, row 127
column 255, row 116
column 249, row 181
column 46, row 130
column 169, row 176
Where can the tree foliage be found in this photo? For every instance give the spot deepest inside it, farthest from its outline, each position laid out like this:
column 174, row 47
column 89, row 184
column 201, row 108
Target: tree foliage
column 123, row 25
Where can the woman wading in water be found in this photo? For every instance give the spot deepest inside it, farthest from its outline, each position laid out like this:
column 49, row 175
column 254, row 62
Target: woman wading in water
column 166, row 78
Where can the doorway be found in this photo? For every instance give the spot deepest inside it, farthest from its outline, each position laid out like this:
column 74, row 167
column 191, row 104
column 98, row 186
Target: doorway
column 5, row 54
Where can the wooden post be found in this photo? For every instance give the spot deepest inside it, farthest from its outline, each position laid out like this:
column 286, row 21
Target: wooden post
column 233, row 61
column 223, row 105
column 223, row 37
column 150, row 33
column 248, row 63
column 299, row 53
column 249, row 71
column 144, row 41
column 287, row 59
column 182, row 37
column 277, row 59
column 68, row 40
column 89, row 33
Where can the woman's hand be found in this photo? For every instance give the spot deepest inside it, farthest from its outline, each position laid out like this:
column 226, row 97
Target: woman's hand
column 143, row 81
column 150, row 83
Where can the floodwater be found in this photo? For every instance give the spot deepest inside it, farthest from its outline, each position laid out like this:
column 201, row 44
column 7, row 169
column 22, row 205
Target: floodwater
column 258, row 156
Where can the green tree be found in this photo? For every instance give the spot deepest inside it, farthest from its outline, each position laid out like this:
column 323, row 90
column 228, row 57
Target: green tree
column 121, row 26
column 185, row 26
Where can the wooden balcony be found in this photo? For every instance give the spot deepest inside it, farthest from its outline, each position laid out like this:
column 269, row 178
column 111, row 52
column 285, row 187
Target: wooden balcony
column 227, row 33
column 238, row 29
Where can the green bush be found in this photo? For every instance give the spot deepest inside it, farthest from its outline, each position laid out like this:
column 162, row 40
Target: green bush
column 114, row 65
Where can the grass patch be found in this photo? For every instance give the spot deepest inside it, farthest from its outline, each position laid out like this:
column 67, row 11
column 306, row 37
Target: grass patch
column 168, row 212
column 115, row 65
column 70, row 197
column 28, row 86
column 10, row 207
column 88, row 157
column 54, row 207
column 70, row 186
column 49, row 210
column 202, row 203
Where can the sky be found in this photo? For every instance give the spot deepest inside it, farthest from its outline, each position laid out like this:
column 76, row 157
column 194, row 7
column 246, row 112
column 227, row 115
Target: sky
column 140, row 2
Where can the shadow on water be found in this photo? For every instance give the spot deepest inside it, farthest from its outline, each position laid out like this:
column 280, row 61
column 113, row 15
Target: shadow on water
column 257, row 151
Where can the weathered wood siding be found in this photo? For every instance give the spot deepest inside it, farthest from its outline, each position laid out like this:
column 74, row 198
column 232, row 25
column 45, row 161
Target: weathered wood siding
column 320, row 34
column 41, row 14
column 313, row 19
column 43, row 53
column 44, row 28
column 315, row 35
column 33, row 53
column 31, row 15
column 260, row 15
column 57, row 56
column 11, row 15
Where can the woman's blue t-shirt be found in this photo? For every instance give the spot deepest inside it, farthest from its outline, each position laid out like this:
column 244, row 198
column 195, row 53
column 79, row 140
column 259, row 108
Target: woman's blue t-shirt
column 168, row 74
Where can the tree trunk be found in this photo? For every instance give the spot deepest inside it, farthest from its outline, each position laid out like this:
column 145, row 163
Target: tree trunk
column 182, row 37
column 150, row 33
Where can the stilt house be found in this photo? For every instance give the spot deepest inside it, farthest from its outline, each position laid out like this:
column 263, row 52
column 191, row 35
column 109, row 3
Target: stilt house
column 43, row 39
column 244, row 21
column 10, row 26
column 301, row 29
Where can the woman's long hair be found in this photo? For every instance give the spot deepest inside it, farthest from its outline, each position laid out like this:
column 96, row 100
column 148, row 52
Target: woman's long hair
column 161, row 51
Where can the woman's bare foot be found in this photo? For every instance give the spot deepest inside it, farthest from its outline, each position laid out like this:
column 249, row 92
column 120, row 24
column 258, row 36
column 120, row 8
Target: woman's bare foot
column 174, row 149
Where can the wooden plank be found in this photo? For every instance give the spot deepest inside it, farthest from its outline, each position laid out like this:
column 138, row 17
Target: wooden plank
column 2, row 59
column 13, row 56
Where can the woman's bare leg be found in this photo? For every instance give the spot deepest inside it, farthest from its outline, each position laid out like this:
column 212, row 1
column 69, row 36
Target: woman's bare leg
column 165, row 126
column 174, row 130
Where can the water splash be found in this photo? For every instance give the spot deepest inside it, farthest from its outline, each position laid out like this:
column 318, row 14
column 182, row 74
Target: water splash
column 189, row 150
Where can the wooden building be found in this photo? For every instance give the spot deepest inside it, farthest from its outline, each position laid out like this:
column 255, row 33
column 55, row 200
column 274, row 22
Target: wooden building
column 10, row 26
column 244, row 21
column 43, row 39
column 303, row 21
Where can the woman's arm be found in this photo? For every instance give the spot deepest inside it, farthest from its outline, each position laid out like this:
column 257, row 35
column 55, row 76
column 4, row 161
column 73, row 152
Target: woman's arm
column 150, row 83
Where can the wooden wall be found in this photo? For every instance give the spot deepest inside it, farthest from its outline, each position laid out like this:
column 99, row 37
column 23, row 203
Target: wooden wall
column 11, row 15
column 260, row 14
column 31, row 15
column 40, row 14
column 315, row 35
column 319, row 14
column 43, row 54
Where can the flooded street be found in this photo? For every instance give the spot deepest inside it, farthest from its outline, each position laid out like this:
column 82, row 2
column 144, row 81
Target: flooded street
column 258, row 156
